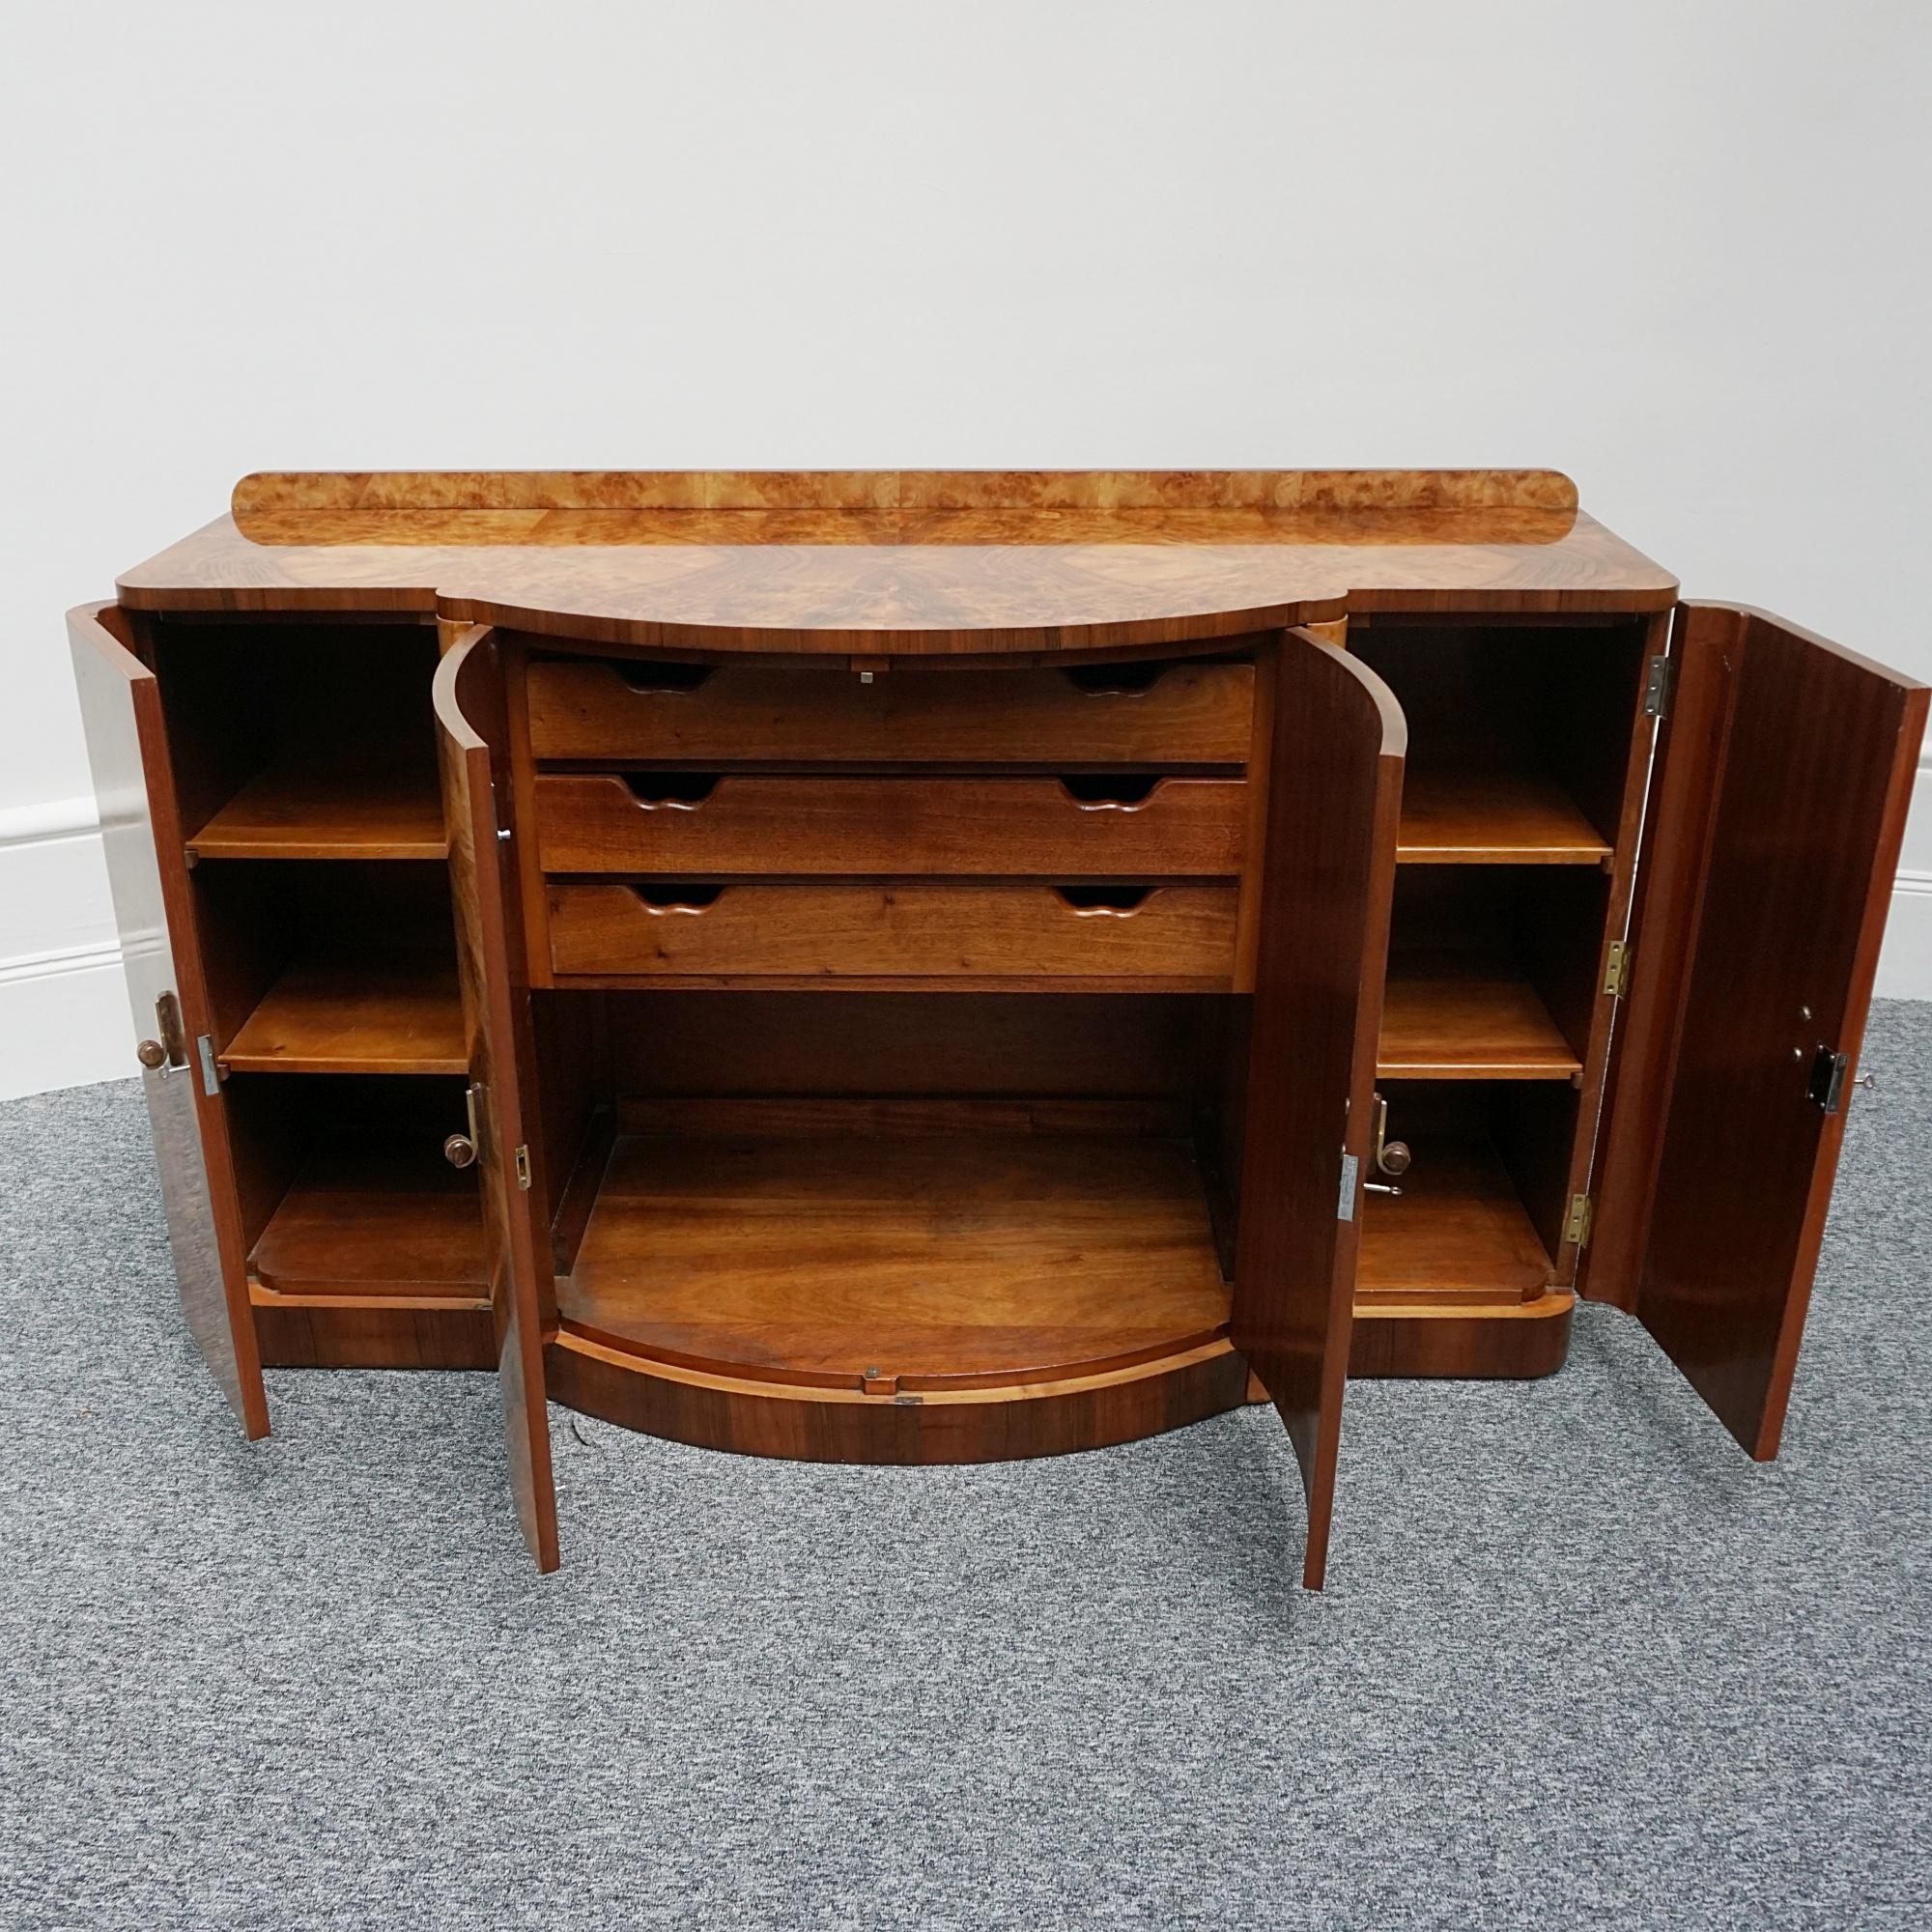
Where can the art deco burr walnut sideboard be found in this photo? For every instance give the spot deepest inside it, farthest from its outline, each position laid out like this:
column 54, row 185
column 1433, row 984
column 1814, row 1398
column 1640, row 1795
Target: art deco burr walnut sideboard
column 933, row 967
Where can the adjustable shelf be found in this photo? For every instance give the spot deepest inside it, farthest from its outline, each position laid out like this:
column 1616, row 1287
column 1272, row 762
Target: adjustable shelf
column 1496, row 817
column 1451, row 1015
column 329, row 811
column 382, row 1218
column 386, row 1016
column 1457, row 1230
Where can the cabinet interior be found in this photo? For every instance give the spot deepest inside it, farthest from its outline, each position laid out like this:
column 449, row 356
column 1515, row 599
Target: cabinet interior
column 301, row 738
column 344, row 1189
column 949, row 1180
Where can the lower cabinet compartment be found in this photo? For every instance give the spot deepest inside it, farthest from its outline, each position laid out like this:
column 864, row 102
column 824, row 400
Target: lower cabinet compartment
column 905, row 1227
column 345, row 1190
column 1482, row 1206
column 782, row 1220
column 907, row 1242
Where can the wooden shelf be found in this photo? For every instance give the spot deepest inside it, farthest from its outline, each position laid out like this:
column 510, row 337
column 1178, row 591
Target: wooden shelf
column 1494, row 818
column 396, row 1015
column 381, row 1219
column 1449, row 1015
column 349, row 811
column 943, row 1254
column 1457, row 1231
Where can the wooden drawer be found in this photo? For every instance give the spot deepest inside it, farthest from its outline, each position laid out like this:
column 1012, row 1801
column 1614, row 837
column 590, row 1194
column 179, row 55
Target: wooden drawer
column 917, row 931
column 1183, row 714
column 599, row 822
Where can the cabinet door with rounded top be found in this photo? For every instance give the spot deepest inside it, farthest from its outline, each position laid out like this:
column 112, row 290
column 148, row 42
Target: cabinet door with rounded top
column 1328, row 879
column 469, row 703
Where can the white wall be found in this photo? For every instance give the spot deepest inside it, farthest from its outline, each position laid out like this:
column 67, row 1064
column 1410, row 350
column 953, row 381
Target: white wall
column 1674, row 247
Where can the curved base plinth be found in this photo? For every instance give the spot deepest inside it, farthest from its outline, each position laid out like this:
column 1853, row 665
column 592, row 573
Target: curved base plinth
column 807, row 1422
column 1519, row 1341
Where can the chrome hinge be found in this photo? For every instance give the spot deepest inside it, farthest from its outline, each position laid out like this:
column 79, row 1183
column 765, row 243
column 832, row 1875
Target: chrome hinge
column 1657, row 682
column 1345, row 1205
column 1617, row 968
column 1577, row 1228
column 210, row 1074
column 522, row 1163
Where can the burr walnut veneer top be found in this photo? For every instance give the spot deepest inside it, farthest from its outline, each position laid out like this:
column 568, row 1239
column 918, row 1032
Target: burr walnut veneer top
column 878, row 563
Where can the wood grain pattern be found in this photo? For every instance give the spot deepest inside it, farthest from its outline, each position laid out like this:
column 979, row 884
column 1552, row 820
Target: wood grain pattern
column 1457, row 1232
column 895, row 827
column 385, row 1332
column 1207, row 556
column 375, row 1218
column 368, row 811
column 270, row 491
column 1610, row 768
column 1182, row 934
column 962, row 1424
column 1335, row 790
column 1811, row 790
column 466, row 687
column 379, row 1015
column 606, row 711
column 925, row 1249
column 141, row 838
column 1449, row 1015
column 1689, row 752
column 1463, row 817
column 1521, row 1341
column 766, row 1044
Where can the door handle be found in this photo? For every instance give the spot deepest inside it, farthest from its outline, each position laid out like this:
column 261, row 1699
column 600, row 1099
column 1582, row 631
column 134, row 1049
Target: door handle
column 169, row 1051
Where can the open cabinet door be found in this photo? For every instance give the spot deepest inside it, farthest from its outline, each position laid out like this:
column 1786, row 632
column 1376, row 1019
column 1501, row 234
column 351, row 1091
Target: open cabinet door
column 1334, row 801
column 468, row 694
column 146, row 872
column 1783, row 775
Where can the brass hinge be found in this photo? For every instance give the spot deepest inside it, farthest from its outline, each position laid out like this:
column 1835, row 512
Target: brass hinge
column 1657, row 681
column 522, row 1158
column 1577, row 1228
column 1617, row 970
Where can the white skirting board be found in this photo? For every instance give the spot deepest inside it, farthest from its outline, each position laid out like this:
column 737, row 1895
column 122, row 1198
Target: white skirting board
column 63, row 1018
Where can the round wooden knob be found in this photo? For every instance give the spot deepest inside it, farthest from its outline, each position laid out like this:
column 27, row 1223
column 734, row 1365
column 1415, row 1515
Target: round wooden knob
column 460, row 1150
column 151, row 1053
column 1396, row 1158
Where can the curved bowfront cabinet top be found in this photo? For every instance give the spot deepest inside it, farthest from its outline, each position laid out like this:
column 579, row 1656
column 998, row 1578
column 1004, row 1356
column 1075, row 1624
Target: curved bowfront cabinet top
column 899, row 564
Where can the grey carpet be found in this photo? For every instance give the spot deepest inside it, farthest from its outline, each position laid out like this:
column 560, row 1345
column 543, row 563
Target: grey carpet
column 1579, row 1661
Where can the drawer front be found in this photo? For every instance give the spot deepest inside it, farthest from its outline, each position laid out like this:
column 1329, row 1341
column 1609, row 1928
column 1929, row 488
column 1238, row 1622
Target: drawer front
column 1187, row 715
column 599, row 822
column 919, row 931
